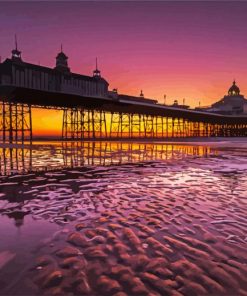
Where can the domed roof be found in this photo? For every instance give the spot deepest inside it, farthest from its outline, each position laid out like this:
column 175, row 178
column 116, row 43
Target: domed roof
column 234, row 90
column 62, row 55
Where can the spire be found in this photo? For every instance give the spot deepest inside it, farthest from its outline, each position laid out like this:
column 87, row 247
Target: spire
column 15, row 42
column 61, row 47
column 16, row 54
column 96, row 72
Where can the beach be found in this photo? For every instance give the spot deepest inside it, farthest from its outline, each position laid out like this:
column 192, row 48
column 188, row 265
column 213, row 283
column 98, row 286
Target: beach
column 124, row 218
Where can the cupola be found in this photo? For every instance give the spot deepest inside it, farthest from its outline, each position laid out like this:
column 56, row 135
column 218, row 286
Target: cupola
column 234, row 90
column 62, row 61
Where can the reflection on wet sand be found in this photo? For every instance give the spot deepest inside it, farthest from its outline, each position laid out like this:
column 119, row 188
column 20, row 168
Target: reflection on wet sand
column 15, row 160
column 52, row 156
column 108, row 153
column 125, row 219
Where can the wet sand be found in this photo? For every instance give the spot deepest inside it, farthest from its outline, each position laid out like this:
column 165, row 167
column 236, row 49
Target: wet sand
column 163, row 226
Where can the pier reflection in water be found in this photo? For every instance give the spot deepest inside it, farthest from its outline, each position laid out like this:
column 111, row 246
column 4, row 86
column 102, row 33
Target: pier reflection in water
column 56, row 155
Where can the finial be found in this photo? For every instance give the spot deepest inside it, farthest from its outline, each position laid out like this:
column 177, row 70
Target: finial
column 164, row 99
column 61, row 47
column 141, row 94
column 16, row 54
column 96, row 63
column 15, row 42
column 234, row 82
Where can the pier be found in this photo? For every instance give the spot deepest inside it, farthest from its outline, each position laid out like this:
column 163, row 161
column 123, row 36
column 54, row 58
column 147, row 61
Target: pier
column 91, row 111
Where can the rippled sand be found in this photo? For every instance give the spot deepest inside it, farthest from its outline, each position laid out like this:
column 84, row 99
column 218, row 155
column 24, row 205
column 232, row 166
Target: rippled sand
column 164, row 227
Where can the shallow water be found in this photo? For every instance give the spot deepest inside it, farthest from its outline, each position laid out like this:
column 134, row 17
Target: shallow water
column 123, row 219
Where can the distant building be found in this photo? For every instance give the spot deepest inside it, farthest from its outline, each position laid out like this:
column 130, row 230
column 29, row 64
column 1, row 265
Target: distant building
column 232, row 104
column 177, row 105
column 115, row 95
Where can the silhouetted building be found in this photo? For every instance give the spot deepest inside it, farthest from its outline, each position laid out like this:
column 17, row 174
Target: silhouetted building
column 177, row 105
column 233, row 103
column 16, row 72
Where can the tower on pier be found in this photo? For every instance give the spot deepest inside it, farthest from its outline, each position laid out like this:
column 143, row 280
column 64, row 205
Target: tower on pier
column 62, row 61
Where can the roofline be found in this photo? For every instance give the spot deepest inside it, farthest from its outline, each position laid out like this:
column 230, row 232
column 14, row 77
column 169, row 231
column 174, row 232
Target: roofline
column 135, row 97
column 8, row 60
column 160, row 106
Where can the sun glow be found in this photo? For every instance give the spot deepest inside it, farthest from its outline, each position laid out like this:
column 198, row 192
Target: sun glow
column 47, row 122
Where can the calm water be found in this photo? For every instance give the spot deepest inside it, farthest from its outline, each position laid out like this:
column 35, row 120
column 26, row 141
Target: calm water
column 123, row 219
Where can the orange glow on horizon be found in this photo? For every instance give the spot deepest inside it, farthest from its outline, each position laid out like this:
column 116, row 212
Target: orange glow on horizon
column 47, row 122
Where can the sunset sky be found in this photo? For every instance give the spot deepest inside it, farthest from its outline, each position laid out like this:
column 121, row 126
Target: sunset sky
column 190, row 50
